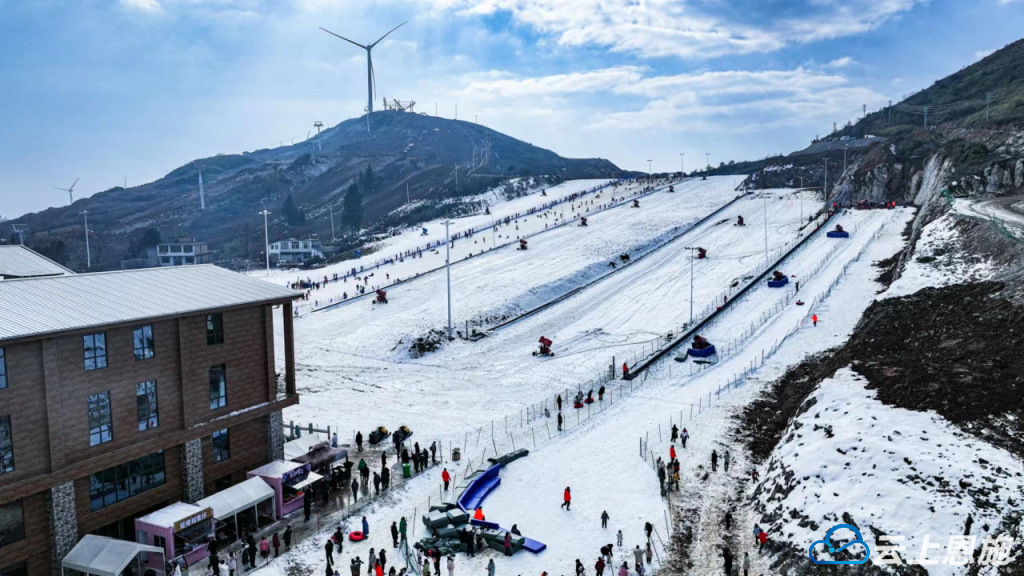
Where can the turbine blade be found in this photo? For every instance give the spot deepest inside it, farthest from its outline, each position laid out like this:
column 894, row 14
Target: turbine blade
column 373, row 77
column 342, row 37
column 73, row 184
column 389, row 32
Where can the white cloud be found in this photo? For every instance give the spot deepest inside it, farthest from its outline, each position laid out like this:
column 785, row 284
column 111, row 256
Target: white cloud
column 979, row 54
column 843, row 62
column 679, row 28
column 148, row 6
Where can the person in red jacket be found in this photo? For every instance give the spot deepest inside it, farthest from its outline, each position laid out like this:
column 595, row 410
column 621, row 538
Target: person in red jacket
column 446, row 477
column 814, row 319
column 672, row 452
column 599, row 567
column 762, row 537
column 625, row 370
column 567, row 497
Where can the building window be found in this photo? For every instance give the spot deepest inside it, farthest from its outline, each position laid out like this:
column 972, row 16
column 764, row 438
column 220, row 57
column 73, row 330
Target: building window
column 6, row 446
column 3, row 369
column 95, row 350
column 218, row 387
column 165, row 259
column 100, row 427
column 163, row 248
column 214, row 329
column 142, row 342
column 190, row 260
column 126, row 480
column 12, row 523
column 145, row 397
column 221, row 446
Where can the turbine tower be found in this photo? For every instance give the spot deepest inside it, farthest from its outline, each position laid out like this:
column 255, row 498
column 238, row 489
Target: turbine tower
column 70, row 191
column 202, row 193
column 370, row 83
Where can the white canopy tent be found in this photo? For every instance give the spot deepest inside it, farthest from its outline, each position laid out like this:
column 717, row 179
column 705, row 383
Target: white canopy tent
column 103, row 556
column 247, row 495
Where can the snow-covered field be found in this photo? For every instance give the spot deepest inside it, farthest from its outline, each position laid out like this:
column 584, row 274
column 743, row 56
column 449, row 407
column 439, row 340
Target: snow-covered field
column 354, row 372
column 937, row 261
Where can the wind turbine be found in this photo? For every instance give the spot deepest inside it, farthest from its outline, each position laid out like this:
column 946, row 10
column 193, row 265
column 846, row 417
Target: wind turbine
column 370, row 81
column 70, row 191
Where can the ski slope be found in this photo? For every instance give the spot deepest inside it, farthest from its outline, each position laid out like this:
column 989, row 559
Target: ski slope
column 599, row 459
column 360, row 350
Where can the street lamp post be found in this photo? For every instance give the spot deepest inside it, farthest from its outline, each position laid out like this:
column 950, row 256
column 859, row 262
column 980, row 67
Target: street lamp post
column 707, row 158
column 649, row 171
column 266, row 238
column 681, row 155
column 448, row 272
column 88, row 255
column 765, row 196
column 692, row 249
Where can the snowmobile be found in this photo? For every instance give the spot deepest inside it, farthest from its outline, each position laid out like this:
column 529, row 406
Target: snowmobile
column 382, row 297
column 739, row 221
column 583, row 220
column 522, row 245
column 545, row 348
column 624, row 257
column 701, row 253
column 378, row 434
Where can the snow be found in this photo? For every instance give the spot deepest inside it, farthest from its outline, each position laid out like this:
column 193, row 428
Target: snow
column 943, row 264
column 168, row 515
column 894, row 471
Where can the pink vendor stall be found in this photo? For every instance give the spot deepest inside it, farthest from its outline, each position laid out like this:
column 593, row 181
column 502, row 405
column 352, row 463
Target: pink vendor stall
column 289, row 481
column 182, row 530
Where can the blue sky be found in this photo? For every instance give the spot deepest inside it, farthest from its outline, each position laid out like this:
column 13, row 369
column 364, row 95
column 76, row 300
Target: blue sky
column 109, row 89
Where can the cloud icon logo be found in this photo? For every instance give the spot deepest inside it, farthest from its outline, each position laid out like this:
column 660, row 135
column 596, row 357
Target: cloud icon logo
column 833, row 550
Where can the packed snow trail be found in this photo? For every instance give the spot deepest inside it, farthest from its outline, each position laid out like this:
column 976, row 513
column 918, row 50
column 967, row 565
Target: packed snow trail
column 351, row 352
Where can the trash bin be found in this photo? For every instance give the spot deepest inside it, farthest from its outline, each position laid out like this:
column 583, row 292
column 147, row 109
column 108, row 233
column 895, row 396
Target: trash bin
column 456, row 454
column 407, row 470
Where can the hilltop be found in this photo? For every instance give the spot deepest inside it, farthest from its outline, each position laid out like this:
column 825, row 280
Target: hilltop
column 408, row 156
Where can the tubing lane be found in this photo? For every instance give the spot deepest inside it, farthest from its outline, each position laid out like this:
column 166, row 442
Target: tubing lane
column 579, row 289
column 636, row 370
column 341, row 303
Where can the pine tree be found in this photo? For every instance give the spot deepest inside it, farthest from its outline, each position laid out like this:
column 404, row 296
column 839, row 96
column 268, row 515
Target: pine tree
column 353, row 208
column 367, row 181
column 292, row 214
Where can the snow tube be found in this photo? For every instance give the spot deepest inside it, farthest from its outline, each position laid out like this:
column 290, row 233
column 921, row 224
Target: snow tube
column 799, row 302
column 778, row 283
column 356, row 536
column 589, row 401
column 837, row 234
column 577, row 404
column 702, row 353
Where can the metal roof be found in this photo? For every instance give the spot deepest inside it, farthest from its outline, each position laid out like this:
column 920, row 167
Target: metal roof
column 233, row 500
column 38, row 306
column 17, row 261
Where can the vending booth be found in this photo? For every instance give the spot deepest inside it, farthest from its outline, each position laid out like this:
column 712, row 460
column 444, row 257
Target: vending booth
column 242, row 508
column 102, row 556
column 289, row 481
column 183, row 531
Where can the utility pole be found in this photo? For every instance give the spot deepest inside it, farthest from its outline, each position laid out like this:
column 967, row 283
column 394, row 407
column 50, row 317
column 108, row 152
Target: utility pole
column 333, row 237
column 888, row 119
column 681, row 155
column 88, row 255
column 765, row 197
column 649, row 171
column 318, row 125
column 845, row 147
column 707, row 158
column 456, row 111
column 435, row 109
column 407, row 201
column 448, row 271
column 692, row 249
column 988, row 101
column 266, row 237
column 825, row 187
column 925, row 116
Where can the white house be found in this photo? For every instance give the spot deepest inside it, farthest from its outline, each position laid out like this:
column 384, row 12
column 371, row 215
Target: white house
column 296, row 251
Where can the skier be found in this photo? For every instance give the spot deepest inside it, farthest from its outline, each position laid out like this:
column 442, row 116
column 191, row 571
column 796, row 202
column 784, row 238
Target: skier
column 714, row 460
column 684, row 436
column 567, row 499
column 604, row 519
column 619, row 539
column 725, row 463
column 648, row 528
column 446, row 477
